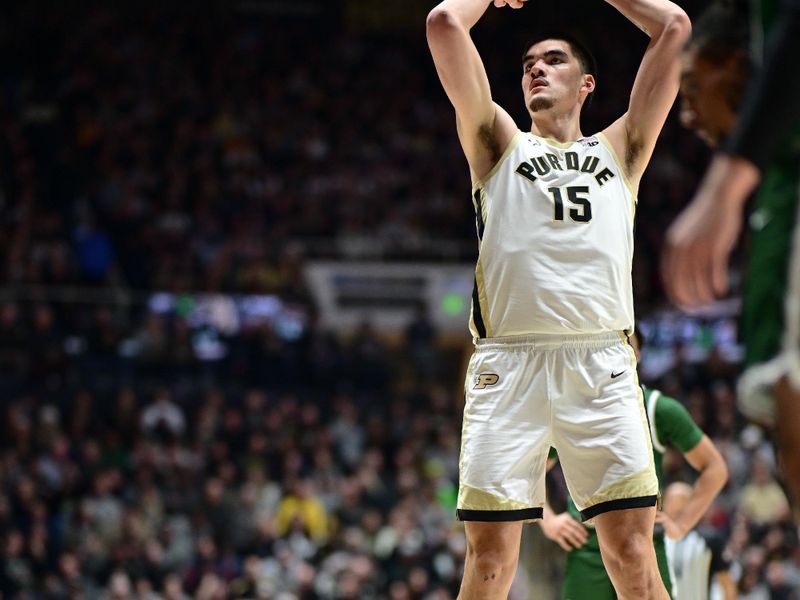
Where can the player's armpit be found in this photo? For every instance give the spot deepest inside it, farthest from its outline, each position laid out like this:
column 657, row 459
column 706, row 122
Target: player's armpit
column 484, row 129
column 485, row 146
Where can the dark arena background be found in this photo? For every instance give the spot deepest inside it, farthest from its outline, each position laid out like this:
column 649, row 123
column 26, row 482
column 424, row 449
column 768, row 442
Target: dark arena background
column 237, row 253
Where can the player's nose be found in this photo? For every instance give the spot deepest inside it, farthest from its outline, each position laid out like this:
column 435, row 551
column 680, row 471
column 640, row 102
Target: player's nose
column 537, row 70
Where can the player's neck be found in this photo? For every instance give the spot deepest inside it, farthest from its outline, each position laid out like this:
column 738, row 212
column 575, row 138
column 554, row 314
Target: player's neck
column 565, row 127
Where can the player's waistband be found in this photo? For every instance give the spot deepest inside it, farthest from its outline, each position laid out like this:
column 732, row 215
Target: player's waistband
column 547, row 341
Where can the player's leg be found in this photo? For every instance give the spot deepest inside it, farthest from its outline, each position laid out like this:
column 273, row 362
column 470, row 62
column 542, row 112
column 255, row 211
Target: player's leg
column 600, row 431
column 787, row 390
column 585, row 576
column 492, row 554
column 788, row 407
column 626, row 543
column 663, row 563
column 504, row 444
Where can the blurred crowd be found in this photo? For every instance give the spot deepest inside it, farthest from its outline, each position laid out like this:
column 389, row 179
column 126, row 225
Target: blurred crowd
column 311, row 468
column 159, row 147
column 302, row 469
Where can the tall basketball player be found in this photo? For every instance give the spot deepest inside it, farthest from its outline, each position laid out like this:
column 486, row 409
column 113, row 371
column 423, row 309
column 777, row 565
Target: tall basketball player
column 552, row 299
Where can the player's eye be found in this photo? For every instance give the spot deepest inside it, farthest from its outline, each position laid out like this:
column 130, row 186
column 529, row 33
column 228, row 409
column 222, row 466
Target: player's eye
column 528, row 67
column 556, row 61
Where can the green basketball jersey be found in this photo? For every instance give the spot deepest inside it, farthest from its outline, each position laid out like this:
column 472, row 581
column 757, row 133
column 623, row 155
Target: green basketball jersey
column 763, row 18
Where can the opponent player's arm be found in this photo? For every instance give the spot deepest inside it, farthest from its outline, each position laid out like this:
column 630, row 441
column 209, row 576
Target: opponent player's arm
column 562, row 528
column 484, row 129
column 712, row 476
column 633, row 136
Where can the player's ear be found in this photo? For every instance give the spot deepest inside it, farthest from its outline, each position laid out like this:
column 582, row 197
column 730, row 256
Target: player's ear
column 588, row 83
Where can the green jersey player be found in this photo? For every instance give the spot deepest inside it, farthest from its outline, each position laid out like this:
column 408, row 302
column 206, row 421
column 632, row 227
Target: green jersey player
column 760, row 146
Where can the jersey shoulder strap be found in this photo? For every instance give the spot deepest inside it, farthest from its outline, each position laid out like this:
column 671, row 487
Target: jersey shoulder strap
column 652, row 397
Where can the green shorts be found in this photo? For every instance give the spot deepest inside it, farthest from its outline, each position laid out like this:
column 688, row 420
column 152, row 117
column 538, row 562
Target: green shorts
column 585, row 577
column 771, row 302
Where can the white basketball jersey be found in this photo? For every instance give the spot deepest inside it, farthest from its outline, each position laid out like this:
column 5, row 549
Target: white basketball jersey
column 555, row 230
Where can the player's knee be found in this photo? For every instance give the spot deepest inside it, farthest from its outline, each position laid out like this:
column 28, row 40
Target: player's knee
column 491, row 562
column 631, row 552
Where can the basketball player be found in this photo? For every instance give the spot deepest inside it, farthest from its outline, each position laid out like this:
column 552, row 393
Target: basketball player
column 552, row 297
column 764, row 145
column 670, row 426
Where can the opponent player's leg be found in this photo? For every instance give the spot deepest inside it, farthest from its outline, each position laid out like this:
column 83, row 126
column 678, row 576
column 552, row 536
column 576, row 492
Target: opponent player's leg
column 585, row 577
column 626, row 543
column 663, row 564
column 787, row 390
column 788, row 418
column 492, row 555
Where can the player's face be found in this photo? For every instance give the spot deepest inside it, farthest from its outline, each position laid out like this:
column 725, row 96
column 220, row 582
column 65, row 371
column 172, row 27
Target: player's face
column 552, row 77
column 710, row 94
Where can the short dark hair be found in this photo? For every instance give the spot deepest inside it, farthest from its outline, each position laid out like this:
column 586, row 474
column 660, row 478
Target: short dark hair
column 721, row 31
column 581, row 52
column 578, row 48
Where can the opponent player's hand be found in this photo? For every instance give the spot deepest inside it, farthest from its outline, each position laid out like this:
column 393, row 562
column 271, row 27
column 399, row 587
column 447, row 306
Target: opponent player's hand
column 511, row 3
column 672, row 528
column 694, row 263
column 565, row 531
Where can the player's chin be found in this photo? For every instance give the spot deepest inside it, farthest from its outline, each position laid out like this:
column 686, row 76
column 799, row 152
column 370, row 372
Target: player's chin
column 540, row 102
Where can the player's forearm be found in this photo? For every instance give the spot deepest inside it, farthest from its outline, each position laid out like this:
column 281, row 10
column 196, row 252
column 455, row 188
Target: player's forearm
column 708, row 485
column 731, row 180
column 657, row 18
column 459, row 13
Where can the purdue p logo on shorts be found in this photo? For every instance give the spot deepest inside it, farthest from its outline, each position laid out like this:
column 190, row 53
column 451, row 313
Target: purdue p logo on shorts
column 485, row 380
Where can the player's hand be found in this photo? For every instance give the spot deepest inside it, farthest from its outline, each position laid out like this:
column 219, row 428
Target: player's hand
column 694, row 263
column 511, row 3
column 672, row 528
column 565, row 531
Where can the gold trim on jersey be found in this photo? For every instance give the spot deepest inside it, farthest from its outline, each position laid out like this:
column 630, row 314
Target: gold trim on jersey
column 480, row 191
column 509, row 149
column 638, row 485
column 483, row 302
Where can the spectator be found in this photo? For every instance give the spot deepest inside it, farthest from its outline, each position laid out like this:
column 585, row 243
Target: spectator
column 762, row 499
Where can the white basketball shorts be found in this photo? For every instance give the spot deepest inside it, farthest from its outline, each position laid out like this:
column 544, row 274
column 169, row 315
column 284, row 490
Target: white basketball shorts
column 577, row 394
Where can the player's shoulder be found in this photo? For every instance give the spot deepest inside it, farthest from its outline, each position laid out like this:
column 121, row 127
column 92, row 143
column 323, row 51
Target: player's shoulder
column 661, row 405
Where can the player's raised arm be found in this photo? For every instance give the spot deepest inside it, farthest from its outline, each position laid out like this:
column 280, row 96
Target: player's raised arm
column 634, row 135
column 484, row 128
